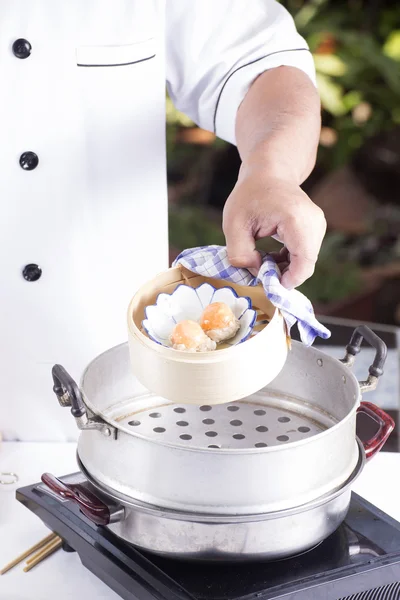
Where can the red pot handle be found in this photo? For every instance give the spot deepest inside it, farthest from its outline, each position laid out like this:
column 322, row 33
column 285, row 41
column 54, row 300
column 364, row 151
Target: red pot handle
column 93, row 508
column 386, row 426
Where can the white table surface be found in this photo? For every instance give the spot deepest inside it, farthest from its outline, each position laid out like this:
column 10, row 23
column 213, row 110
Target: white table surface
column 62, row 576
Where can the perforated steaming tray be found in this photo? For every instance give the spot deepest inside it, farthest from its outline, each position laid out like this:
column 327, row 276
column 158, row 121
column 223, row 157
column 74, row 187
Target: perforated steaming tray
column 262, row 420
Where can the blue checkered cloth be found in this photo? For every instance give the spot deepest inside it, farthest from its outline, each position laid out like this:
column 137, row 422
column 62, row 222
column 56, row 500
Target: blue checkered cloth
column 212, row 261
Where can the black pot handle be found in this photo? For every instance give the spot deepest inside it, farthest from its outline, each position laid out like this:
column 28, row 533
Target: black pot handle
column 67, row 391
column 363, row 332
column 69, row 394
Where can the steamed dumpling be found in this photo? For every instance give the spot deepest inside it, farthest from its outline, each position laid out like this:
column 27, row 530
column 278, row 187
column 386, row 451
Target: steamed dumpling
column 219, row 322
column 189, row 336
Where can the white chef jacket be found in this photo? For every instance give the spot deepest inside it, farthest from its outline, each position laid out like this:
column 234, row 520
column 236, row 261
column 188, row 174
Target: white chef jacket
column 88, row 100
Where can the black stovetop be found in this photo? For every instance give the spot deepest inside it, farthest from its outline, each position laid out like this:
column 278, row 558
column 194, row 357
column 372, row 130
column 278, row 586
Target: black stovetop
column 363, row 554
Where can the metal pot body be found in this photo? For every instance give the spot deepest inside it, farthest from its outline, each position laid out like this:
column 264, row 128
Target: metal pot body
column 264, row 539
column 236, row 481
column 227, row 481
column 201, row 537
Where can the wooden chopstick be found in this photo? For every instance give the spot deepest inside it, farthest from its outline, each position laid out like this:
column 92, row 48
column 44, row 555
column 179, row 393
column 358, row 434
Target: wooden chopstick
column 42, row 554
column 42, row 550
column 34, row 548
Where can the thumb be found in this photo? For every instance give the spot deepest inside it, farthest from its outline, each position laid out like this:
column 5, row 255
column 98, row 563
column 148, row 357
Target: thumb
column 241, row 248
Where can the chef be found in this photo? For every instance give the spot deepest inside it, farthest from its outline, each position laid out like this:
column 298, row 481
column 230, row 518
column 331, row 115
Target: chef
column 82, row 170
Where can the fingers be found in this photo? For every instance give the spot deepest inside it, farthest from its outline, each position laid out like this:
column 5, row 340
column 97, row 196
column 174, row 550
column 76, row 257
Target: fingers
column 240, row 245
column 303, row 240
column 298, row 271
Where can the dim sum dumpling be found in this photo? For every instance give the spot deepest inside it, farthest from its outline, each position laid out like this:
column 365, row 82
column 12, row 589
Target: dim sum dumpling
column 189, row 337
column 219, row 322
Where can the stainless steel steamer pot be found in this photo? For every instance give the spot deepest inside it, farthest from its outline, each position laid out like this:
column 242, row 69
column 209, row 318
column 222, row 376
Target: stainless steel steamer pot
column 287, row 445
column 267, row 476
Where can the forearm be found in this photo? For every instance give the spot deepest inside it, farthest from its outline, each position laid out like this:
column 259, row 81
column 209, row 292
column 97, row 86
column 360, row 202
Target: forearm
column 278, row 124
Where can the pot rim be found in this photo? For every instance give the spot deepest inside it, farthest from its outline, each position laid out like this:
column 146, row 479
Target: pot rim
column 221, row 519
column 230, row 451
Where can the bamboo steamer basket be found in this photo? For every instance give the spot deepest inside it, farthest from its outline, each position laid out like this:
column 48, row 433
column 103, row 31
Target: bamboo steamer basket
column 216, row 377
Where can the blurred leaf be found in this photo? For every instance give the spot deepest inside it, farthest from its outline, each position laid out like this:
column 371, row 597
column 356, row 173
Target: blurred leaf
column 352, row 99
column 330, row 64
column 308, row 12
column 305, row 14
column 369, row 51
column 391, row 47
column 331, row 95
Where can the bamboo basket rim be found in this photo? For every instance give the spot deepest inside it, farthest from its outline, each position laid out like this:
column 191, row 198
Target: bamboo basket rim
column 185, row 275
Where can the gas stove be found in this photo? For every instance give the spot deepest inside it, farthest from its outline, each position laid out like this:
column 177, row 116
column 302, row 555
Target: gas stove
column 360, row 561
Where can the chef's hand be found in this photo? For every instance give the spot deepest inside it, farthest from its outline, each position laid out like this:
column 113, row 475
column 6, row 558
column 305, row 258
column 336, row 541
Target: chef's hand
column 277, row 134
column 262, row 205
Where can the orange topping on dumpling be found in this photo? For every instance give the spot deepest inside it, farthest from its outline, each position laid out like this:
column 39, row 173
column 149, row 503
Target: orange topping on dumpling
column 217, row 315
column 187, row 333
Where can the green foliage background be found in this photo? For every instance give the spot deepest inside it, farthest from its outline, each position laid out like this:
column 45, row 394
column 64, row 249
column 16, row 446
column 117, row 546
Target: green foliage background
column 356, row 48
